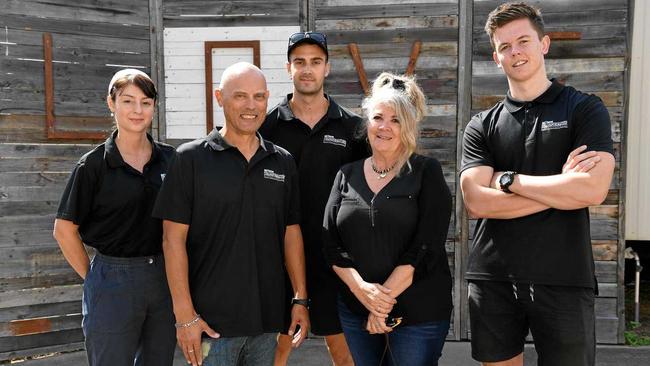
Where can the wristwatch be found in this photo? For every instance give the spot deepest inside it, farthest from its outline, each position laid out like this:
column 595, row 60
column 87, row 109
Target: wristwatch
column 303, row 302
column 505, row 181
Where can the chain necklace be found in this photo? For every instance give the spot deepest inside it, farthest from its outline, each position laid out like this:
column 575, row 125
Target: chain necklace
column 381, row 174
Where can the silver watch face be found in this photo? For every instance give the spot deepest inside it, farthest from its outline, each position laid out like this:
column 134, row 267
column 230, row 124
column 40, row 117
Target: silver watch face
column 505, row 180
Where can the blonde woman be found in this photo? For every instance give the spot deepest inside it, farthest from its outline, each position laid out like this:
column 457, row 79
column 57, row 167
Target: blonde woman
column 385, row 224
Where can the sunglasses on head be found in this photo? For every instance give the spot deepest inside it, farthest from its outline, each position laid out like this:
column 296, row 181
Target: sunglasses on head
column 318, row 37
column 397, row 84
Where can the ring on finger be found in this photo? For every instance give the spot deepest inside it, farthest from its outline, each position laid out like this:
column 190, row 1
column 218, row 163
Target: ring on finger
column 190, row 351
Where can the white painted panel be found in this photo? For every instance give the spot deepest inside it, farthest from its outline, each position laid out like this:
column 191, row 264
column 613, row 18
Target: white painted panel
column 185, row 74
column 197, row 48
column 637, row 196
column 273, row 76
column 186, row 132
column 202, row 34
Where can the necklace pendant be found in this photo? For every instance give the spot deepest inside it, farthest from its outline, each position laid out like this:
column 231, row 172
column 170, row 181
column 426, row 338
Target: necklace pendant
column 382, row 175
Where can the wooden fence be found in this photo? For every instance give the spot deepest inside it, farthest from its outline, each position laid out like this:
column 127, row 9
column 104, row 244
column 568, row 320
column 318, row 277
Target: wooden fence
column 441, row 40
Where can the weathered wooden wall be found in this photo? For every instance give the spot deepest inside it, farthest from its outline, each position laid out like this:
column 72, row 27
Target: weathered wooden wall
column 594, row 63
column 40, row 308
column 39, row 294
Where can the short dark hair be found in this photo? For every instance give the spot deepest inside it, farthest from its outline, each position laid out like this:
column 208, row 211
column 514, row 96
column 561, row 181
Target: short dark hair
column 508, row 12
column 143, row 83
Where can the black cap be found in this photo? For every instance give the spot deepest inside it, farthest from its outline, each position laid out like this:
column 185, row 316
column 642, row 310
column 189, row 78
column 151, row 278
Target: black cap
column 299, row 38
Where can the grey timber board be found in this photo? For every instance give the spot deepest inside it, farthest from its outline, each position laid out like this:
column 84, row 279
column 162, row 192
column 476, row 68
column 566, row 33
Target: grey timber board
column 229, row 7
column 390, row 22
column 120, row 12
column 577, row 16
column 48, row 280
column 71, row 26
column 64, row 40
column 483, row 7
column 401, row 9
column 59, row 350
column 12, row 346
column 75, row 55
column 248, row 20
column 429, row 86
column 386, row 36
column 11, row 208
column 34, row 296
column 587, row 32
column 608, row 47
column 40, row 310
column 42, row 151
column 401, row 49
column 157, row 49
column 56, row 164
column 587, row 81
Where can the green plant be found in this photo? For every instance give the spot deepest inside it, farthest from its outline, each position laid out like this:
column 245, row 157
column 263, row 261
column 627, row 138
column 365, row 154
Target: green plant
column 632, row 338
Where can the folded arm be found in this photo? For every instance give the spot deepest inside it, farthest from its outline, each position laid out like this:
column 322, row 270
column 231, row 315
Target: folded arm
column 569, row 191
column 483, row 201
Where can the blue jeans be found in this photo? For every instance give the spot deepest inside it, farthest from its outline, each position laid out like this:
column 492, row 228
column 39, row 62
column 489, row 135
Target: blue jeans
column 240, row 351
column 412, row 345
column 127, row 312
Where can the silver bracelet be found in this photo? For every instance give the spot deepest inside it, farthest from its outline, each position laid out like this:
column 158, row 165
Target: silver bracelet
column 188, row 324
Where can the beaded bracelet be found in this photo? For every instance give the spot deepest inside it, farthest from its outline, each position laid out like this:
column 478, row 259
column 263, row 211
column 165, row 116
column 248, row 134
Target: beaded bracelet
column 188, row 324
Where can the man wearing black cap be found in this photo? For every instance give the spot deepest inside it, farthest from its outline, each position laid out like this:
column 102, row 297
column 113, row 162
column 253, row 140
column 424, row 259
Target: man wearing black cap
column 321, row 136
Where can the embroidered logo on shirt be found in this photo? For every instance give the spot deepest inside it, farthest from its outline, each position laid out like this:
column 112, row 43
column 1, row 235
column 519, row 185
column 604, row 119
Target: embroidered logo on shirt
column 329, row 139
column 162, row 176
column 552, row 125
column 270, row 174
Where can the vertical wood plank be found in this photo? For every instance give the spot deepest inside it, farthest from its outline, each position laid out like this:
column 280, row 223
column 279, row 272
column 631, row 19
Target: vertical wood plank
column 464, row 108
column 158, row 128
column 620, row 280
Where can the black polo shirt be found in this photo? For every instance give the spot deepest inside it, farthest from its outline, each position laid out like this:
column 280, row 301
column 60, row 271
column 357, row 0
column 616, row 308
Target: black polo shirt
column 112, row 202
column 553, row 246
column 237, row 212
column 319, row 153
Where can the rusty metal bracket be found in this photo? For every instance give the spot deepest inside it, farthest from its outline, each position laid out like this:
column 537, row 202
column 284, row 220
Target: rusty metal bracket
column 361, row 71
column 50, row 119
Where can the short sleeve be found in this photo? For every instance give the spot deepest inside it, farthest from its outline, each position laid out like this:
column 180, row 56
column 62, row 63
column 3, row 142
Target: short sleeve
column 475, row 148
column 335, row 253
column 593, row 126
column 78, row 196
column 434, row 214
column 175, row 200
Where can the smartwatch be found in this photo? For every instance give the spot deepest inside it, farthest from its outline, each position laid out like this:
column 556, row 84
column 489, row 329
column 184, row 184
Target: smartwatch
column 505, row 181
column 303, row 302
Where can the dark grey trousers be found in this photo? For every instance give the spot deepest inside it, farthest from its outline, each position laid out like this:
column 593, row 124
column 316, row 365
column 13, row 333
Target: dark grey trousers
column 127, row 312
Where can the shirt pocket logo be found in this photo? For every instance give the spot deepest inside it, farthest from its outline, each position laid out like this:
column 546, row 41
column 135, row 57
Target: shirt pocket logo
column 329, row 139
column 552, row 125
column 270, row 174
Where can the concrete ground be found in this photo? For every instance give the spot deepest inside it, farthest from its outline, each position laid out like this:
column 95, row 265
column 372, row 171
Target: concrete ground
column 314, row 353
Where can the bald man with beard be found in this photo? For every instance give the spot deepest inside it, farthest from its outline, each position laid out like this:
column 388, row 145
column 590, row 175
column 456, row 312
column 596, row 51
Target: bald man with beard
column 230, row 210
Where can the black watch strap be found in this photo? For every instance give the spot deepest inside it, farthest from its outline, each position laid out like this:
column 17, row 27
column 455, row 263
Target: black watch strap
column 303, row 302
